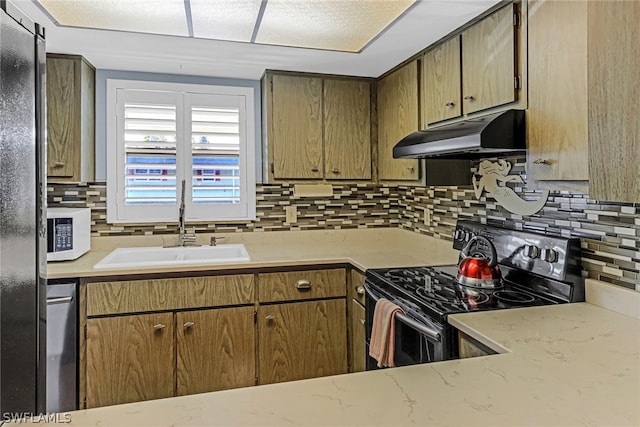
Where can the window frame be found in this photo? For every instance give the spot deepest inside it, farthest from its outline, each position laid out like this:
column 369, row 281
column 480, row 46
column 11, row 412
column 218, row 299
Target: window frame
column 119, row 213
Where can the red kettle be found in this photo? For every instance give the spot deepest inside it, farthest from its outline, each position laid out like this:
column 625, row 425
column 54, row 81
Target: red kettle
column 475, row 270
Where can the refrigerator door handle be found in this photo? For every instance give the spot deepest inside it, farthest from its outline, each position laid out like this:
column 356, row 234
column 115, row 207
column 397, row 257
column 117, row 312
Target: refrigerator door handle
column 61, row 300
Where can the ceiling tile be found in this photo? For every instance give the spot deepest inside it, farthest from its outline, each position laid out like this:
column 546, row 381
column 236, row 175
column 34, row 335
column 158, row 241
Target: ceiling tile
column 143, row 16
column 224, row 20
column 345, row 25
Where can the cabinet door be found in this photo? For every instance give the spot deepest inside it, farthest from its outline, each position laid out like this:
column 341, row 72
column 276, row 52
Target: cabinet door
column 301, row 340
column 357, row 336
column 614, row 109
column 488, row 62
column 441, row 83
column 347, row 129
column 296, row 127
column 63, row 116
column 557, row 116
column 129, row 358
column 397, row 118
column 216, row 350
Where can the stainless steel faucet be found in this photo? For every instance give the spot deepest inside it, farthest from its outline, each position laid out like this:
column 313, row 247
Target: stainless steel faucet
column 184, row 239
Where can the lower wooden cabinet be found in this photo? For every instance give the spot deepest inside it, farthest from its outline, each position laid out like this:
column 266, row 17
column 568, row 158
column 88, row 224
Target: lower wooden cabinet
column 142, row 357
column 470, row 347
column 156, row 338
column 215, row 350
column 357, row 336
column 301, row 340
column 130, row 358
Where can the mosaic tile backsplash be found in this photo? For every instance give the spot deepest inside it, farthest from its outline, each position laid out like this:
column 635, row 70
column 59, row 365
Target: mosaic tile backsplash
column 609, row 232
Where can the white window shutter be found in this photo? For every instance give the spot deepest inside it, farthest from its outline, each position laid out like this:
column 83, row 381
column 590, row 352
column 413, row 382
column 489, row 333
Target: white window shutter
column 164, row 136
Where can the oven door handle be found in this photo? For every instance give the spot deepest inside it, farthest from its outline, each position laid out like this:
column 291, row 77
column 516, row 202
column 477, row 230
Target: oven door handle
column 432, row 334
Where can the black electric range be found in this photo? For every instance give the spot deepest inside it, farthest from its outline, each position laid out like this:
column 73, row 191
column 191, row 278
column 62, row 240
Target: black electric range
column 536, row 270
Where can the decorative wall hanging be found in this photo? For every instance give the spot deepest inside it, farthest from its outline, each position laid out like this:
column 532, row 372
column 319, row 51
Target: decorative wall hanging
column 493, row 179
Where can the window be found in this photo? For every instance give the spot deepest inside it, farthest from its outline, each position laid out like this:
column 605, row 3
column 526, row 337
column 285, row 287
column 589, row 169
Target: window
column 160, row 135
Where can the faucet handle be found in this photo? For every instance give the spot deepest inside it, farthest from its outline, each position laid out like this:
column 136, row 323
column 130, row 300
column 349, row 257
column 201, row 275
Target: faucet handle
column 214, row 240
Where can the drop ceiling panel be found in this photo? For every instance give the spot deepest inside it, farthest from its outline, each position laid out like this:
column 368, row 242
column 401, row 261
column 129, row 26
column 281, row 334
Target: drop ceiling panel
column 327, row 24
column 232, row 20
column 143, row 16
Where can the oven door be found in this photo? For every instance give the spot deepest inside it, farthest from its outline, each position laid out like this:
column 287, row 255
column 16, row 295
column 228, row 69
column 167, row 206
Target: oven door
column 415, row 341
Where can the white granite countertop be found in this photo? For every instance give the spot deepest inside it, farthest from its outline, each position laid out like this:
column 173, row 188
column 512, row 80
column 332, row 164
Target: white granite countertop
column 363, row 248
column 566, row 365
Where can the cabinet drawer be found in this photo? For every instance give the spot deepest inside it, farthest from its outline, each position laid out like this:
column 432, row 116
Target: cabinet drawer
column 168, row 294
column 302, row 285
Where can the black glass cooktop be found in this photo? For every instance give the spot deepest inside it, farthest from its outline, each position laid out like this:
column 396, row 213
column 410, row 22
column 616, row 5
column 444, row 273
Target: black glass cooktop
column 435, row 291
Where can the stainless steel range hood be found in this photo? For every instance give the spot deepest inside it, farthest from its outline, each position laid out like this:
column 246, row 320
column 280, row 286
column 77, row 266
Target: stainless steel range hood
column 492, row 135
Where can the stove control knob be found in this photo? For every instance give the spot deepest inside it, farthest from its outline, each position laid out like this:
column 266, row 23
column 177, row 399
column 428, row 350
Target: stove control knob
column 531, row 251
column 468, row 235
column 458, row 235
column 549, row 255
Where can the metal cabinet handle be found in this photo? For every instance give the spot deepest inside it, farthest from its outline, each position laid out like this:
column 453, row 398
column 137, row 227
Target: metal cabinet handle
column 159, row 327
column 335, row 170
column 270, row 317
column 360, row 290
column 450, row 104
column 362, row 321
column 469, row 98
column 188, row 325
column 303, row 285
column 314, row 169
column 60, row 300
column 542, row 162
column 58, row 165
column 411, row 168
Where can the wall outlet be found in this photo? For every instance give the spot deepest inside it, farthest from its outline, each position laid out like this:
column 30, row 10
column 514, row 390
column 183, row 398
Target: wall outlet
column 291, row 213
column 427, row 217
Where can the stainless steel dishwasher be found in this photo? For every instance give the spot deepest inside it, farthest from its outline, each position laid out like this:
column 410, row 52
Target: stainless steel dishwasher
column 62, row 344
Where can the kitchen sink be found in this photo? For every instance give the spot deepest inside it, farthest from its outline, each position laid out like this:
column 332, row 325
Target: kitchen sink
column 179, row 255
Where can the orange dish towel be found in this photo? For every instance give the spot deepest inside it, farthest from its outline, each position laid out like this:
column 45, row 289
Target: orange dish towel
column 382, row 333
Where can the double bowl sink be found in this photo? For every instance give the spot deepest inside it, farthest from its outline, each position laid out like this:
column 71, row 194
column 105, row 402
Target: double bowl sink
column 179, row 255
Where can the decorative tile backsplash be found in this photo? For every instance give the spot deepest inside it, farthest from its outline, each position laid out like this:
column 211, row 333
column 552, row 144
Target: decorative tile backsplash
column 609, row 232
column 350, row 206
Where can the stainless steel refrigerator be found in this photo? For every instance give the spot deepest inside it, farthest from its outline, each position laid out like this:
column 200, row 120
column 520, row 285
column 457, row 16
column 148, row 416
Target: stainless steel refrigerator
column 23, row 225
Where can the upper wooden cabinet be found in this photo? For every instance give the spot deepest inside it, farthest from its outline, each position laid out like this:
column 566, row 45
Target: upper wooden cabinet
column 557, row 119
column 583, row 131
column 296, row 127
column 347, row 129
column 441, row 83
column 318, row 127
column 70, row 118
column 614, row 89
column 488, row 62
column 482, row 68
column 397, row 118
